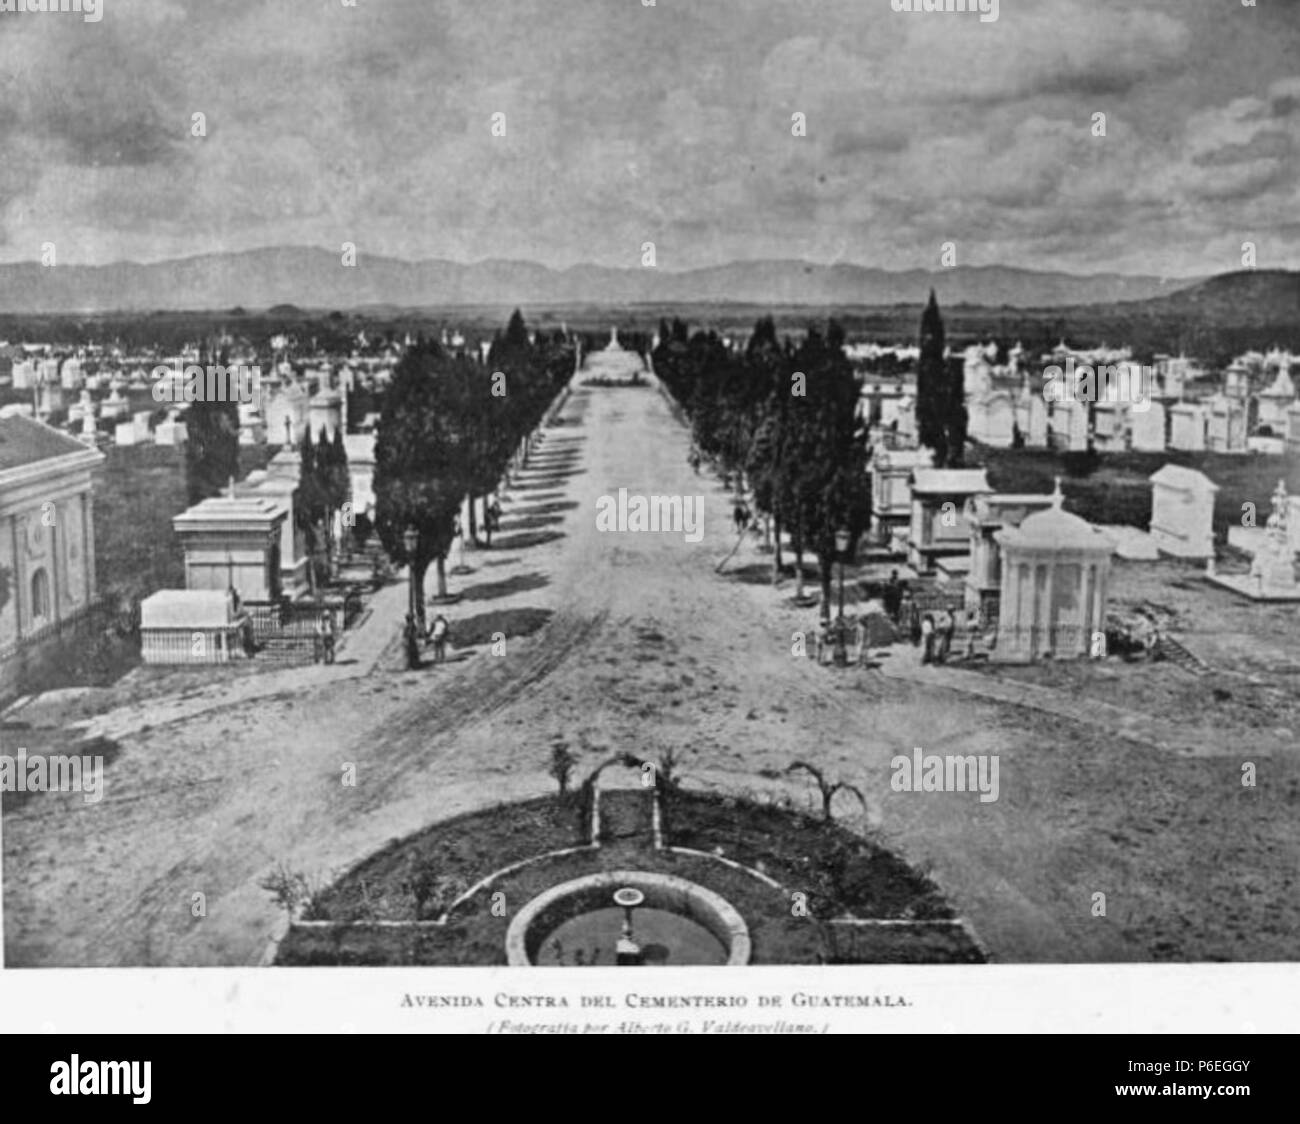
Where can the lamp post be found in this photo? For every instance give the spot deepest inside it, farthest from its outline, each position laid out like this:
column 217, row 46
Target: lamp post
column 841, row 654
column 411, row 541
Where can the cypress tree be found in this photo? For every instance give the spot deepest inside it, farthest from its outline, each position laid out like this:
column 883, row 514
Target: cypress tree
column 933, row 396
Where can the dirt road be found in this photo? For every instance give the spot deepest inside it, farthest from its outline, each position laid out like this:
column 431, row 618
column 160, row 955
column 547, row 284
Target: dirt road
column 633, row 642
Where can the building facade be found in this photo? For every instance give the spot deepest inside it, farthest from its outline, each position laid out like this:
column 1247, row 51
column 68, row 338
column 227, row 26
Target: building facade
column 47, row 535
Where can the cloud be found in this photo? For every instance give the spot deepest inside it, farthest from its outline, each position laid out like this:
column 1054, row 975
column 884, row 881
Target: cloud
column 668, row 124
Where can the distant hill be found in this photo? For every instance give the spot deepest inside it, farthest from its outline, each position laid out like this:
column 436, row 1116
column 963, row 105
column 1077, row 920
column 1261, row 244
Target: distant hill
column 316, row 279
column 1250, row 298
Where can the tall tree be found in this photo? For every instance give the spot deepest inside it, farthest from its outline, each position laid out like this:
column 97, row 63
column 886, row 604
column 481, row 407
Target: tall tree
column 212, row 445
column 828, row 469
column 309, row 504
column 940, row 393
column 333, row 486
column 420, row 467
column 931, row 385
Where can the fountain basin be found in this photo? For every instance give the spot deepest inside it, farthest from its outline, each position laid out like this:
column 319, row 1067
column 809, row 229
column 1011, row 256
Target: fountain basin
column 665, row 896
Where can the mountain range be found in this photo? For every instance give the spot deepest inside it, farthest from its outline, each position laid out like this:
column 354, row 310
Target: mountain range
column 313, row 278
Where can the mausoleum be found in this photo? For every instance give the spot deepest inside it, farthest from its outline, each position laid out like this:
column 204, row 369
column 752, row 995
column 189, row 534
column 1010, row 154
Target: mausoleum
column 1055, row 569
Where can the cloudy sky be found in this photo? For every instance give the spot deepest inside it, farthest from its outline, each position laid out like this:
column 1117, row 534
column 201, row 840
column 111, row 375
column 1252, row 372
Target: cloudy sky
column 670, row 124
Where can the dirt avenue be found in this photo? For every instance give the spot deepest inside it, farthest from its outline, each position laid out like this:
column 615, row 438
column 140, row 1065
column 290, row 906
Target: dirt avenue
column 637, row 645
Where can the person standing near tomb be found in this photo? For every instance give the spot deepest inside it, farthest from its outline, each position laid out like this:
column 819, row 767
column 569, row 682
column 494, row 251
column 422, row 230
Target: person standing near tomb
column 438, row 633
column 893, row 597
column 908, row 618
column 973, row 626
column 943, row 630
column 927, row 638
column 325, row 633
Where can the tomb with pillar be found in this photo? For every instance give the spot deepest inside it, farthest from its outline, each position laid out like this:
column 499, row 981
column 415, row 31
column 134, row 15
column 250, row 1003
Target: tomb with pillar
column 1052, row 602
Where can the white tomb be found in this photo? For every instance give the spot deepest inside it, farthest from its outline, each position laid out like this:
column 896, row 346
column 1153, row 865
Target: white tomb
column 1187, row 427
column 1147, row 429
column 1182, row 512
column 1068, row 422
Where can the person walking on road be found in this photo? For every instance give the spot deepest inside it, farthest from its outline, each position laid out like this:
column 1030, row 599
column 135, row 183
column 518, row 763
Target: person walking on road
column 740, row 515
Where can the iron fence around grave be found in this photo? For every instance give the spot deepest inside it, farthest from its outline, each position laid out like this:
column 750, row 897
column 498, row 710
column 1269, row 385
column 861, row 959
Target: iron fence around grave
column 288, row 632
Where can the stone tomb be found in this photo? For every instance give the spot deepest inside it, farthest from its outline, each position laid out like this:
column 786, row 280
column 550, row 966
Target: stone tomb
column 1187, row 427
column 1147, row 429
column 937, row 529
column 233, row 543
column 992, row 416
column 1182, row 512
column 891, row 490
column 1275, row 402
column 985, row 516
column 1272, row 569
column 1055, row 570
column 1225, row 430
column 1031, row 417
column 1068, row 426
column 186, row 626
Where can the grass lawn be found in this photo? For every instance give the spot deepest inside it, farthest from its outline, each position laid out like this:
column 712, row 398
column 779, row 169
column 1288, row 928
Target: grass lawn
column 1118, row 490
column 139, row 489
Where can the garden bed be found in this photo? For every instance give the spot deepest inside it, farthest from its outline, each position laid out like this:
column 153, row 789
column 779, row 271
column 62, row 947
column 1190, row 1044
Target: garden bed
column 842, row 875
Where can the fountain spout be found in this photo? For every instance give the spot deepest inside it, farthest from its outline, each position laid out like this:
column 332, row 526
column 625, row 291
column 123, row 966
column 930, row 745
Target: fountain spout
column 627, row 952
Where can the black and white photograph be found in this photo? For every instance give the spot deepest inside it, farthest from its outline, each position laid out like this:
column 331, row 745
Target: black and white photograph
column 663, row 489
